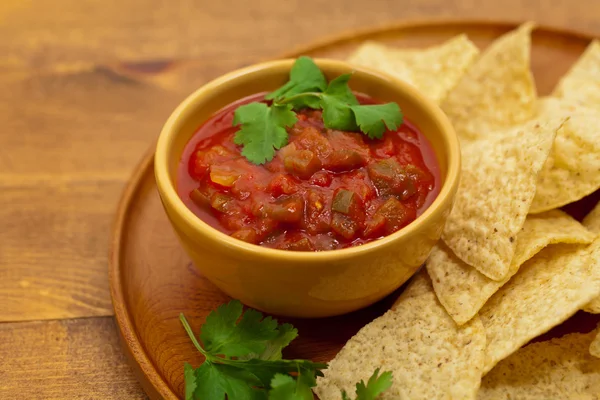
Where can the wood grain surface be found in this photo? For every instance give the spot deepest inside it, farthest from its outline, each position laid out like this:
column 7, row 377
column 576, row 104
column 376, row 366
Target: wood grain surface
column 84, row 88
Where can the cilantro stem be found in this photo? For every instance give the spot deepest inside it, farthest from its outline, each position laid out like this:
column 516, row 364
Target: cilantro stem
column 190, row 333
column 298, row 96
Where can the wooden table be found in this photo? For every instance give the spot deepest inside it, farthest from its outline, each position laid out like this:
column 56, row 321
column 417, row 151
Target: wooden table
column 84, row 88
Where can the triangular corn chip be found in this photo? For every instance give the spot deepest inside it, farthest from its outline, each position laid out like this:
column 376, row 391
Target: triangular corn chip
column 498, row 90
column 582, row 83
column 553, row 370
column 434, row 70
column 572, row 170
column 595, row 345
column 497, row 186
column 429, row 356
column 549, row 288
column 592, row 223
column 463, row 290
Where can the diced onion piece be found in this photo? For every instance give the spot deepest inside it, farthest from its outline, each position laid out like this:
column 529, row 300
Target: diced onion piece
column 223, row 175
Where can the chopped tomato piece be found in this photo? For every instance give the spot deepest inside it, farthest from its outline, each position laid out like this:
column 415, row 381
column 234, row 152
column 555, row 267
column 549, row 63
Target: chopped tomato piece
column 317, row 216
column 205, row 158
column 345, row 160
column 344, row 225
column 321, row 178
column 302, row 163
column 246, row 234
column 303, row 244
column 219, row 201
column 282, row 184
column 313, row 140
column 395, row 214
column 289, row 209
column 199, row 198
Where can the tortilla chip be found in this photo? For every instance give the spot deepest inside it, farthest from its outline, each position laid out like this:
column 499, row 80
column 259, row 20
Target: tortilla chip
column 595, row 345
column 496, row 188
column 592, row 222
column 548, row 289
column 572, row 170
column 498, row 91
column 434, row 71
column 429, row 356
column 552, row 370
column 582, row 83
column 593, row 307
column 463, row 290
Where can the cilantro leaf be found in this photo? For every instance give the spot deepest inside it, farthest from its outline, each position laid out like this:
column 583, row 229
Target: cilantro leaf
column 265, row 370
column 242, row 353
column 263, row 129
column 221, row 334
column 305, row 76
column 190, row 381
column 376, row 385
column 215, row 381
column 286, row 333
column 284, row 387
column 373, row 119
column 336, row 102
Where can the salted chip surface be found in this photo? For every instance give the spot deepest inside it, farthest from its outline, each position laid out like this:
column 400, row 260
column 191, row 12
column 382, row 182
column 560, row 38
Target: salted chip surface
column 592, row 222
column 429, row 355
column 497, row 91
column 551, row 370
column 582, row 82
column 434, row 70
column 548, row 289
column 595, row 345
column 572, row 170
column 463, row 290
column 497, row 186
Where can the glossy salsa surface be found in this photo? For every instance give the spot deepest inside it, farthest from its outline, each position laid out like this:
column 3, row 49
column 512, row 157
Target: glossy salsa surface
column 324, row 190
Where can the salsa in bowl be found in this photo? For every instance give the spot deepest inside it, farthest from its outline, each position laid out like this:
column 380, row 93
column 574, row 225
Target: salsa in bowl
column 306, row 200
column 325, row 189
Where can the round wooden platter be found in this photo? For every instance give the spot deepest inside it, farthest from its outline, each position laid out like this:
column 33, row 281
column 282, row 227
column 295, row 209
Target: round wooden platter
column 152, row 280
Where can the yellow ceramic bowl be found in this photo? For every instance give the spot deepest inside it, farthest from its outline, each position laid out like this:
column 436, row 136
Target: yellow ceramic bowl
column 306, row 284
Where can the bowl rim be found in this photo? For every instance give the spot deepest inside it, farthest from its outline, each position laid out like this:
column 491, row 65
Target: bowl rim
column 188, row 106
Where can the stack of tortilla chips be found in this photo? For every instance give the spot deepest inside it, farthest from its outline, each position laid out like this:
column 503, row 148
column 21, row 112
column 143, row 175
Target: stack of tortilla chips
column 510, row 265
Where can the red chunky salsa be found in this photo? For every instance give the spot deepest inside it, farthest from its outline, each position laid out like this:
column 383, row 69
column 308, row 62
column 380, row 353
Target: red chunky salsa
column 326, row 189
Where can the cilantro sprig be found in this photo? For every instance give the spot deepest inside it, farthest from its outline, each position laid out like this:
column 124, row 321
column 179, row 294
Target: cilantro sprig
column 263, row 126
column 376, row 385
column 243, row 361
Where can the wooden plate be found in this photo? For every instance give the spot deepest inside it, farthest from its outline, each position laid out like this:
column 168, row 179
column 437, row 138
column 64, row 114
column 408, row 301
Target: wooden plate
column 152, row 280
